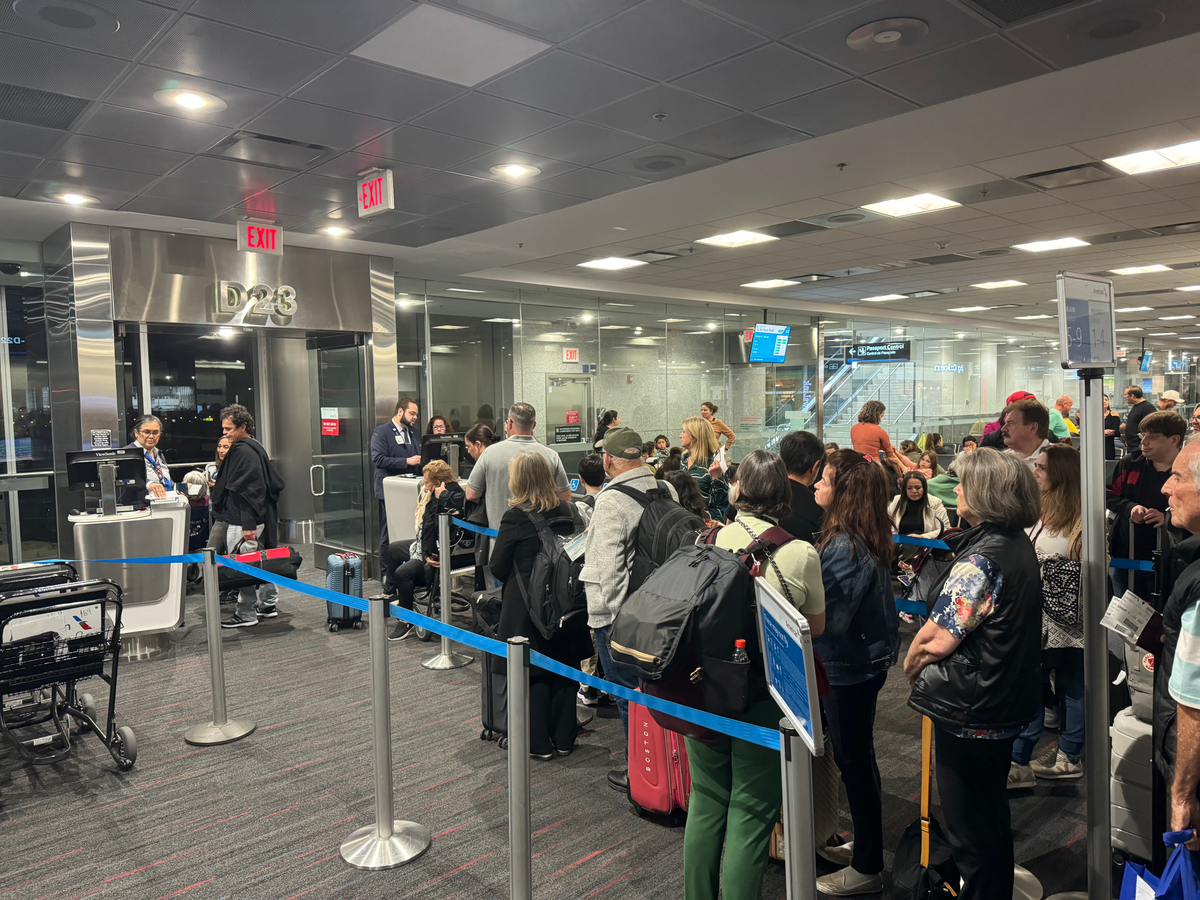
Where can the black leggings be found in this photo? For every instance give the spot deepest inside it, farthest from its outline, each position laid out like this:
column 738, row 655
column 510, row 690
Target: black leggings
column 409, row 575
column 552, row 718
column 850, row 710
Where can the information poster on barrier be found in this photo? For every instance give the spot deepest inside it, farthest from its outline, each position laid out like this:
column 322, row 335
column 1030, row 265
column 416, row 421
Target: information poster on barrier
column 791, row 666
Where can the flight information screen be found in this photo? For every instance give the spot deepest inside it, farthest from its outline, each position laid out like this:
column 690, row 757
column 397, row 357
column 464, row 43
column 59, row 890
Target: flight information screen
column 770, row 343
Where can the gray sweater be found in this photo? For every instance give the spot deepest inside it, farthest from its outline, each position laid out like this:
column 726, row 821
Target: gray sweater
column 610, row 545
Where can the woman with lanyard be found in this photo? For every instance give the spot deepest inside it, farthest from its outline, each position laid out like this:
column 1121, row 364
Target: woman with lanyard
column 146, row 434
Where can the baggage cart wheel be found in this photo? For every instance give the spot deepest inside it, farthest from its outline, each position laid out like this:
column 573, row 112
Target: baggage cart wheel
column 88, row 704
column 126, row 747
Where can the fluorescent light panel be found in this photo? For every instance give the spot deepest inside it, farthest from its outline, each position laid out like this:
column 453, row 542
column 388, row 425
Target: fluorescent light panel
column 612, row 263
column 770, row 283
column 883, row 297
column 1043, row 316
column 1129, row 329
column 1140, row 270
column 1163, row 333
column 911, row 206
column 465, row 290
column 737, row 239
column 1155, row 160
column 967, row 309
column 1127, row 309
column 1056, row 244
column 1189, row 287
column 1174, row 318
column 992, row 285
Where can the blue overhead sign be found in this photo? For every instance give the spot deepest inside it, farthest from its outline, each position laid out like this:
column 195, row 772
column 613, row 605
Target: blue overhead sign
column 790, row 665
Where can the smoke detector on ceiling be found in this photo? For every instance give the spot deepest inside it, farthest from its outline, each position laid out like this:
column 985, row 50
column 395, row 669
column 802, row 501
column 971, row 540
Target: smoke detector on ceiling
column 1115, row 24
column 886, row 35
column 66, row 16
column 658, row 163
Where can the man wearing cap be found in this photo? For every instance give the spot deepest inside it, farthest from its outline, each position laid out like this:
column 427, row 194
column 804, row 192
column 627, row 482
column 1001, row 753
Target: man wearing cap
column 608, row 556
column 1139, row 408
column 992, row 436
column 1168, row 400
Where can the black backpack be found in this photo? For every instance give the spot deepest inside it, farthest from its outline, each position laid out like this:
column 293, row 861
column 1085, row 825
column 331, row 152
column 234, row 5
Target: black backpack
column 678, row 630
column 555, row 595
column 665, row 526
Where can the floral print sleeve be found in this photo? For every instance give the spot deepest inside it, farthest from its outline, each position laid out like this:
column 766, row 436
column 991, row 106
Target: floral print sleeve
column 969, row 596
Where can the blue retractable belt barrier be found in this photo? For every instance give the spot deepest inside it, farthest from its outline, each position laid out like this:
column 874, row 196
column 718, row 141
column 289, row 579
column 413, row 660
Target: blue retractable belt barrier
column 912, row 607
column 147, row 560
column 1137, row 565
column 920, row 542
column 478, row 529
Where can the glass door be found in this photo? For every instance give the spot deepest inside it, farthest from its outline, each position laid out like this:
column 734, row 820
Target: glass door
column 340, row 462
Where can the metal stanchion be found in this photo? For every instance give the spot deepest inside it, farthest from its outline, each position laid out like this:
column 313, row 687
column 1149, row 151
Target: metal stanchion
column 390, row 842
column 520, row 861
column 446, row 658
column 221, row 730
column 798, row 827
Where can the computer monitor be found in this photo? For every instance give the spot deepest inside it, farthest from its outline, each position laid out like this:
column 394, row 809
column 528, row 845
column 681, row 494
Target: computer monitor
column 83, row 467
column 437, row 446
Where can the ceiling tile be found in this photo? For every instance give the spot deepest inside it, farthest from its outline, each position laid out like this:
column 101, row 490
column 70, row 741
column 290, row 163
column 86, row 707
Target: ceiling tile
column 836, row 108
column 489, row 119
column 579, row 143
column 318, row 187
column 663, row 39
column 175, row 188
column 481, row 167
column 106, row 199
column 224, row 53
column 565, row 83
column 1066, row 38
column 264, row 213
column 313, row 124
column 948, row 25
column 179, row 209
column 480, row 216
column 348, row 165
column 970, row 68
column 1037, row 161
column 10, row 186
column 592, row 183
column 738, row 136
column 413, row 202
column 423, row 147
column 781, row 18
column 139, row 22
column 423, row 232
column 460, row 187
column 376, row 90
column 71, row 173
column 31, row 139
column 333, row 26
column 152, row 129
column 527, row 200
column 680, row 112
column 1164, row 135
column 761, row 77
column 450, row 46
column 946, row 179
column 12, row 166
column 554, row 20
column 246, row 176
column 137, row 92
column 303, row 208
column 658, row 162
column 49, row 67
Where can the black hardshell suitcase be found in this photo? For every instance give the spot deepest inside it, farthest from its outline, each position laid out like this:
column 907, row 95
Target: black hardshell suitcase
column 25, row 577
column 494, row 678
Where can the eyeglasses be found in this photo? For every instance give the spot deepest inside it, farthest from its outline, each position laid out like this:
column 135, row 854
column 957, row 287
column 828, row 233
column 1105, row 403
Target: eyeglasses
column 150, row 433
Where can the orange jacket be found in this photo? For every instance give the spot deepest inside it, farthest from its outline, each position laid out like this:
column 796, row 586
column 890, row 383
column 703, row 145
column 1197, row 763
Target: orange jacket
column 722, row 429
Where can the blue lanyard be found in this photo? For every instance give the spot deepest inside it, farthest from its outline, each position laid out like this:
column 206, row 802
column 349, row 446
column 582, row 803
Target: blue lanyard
column 165, row 479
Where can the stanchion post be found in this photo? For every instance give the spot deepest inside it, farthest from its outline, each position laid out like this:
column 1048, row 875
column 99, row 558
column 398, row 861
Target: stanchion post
column 798, row 827
column 222, row 729
column 389, row 842
column 520, row 824
column 446, row 658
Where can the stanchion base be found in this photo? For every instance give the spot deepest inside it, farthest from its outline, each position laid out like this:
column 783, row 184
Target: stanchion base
column 139, row 647
column 208, row 733
column 448, row 661
column 1069, row 895
column 1026, row 885
column 365, row 849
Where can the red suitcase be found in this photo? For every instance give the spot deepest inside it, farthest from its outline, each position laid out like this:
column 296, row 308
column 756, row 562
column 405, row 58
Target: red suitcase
column 659, row 780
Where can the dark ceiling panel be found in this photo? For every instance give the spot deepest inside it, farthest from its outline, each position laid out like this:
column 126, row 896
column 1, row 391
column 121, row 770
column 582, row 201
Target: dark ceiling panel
column 423, row 232
column 580, row 143
column 480, row 216
column 490, row 119
column 553, row 20
column 460, row 187
column 89, row 177
column 175, row 188
column 138, row 89
column 318, row 187
column 348, row 165
column 1009, row 11
column 33, row 107
column 49, row 67
column 246, row 176
column 658, row 162
column 566, row 84
column 781, row 18
column 139, row 22
column 660, row 113
column 481, row 167
column 375, row 90
column 767, row 75
column 93, row 151
column 592, row 183
column 1091, row 31
column 179, row 209
column 663, row 39
column 105, row 199
column 526, row 200
column 264, row 212
column 10, row 186
column 313, row 124
column 152, row 129
column 29, row 139
column 423, row 147
column 417, row 203
column 223, row 53
column 13, row 166
column 738, row 136
column 836, row 108
column 337, row 25
column 971, row 68
column 303, row 208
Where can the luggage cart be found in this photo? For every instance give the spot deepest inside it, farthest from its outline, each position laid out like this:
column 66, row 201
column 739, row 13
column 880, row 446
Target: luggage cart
column 50, row 640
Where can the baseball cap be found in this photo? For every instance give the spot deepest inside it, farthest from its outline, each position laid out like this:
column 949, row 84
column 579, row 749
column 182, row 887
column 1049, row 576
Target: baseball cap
column 1171, row 395
column 622, row 443
column 1019, row 395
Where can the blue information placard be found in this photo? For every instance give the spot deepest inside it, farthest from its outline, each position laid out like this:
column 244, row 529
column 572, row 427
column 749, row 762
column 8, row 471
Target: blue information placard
column 1086, row 322
column 791, row 668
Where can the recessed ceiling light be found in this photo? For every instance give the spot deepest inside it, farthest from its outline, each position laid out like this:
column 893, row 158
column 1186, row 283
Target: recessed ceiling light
column 225, row 332
column 611, row 263
column 1123, row 309
column 882, row 297
column 464, row 290
column 1140, row 270
column 965, row 309
column 711, row 326
column 450, row 327
column 25, row 274
column 585, row 318
column 1056, row 244
column 1135, row 328
column 737, row 239
column 916, row 295
column 1174, row 318
column 504, row 321
column 66, row 16
column 1163, row 333
column 189, row 100
column 514, row 170
column 1189, row 287
column 1190, row 337
column 75, row 199
column 1154, row 160
column 992, row 285
column 771, row 283
column 613, row 327
column 1042, row 316
column 911, row 206
column 336, row 231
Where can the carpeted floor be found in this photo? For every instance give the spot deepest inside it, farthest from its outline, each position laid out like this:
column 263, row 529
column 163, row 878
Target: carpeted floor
column 263, row 818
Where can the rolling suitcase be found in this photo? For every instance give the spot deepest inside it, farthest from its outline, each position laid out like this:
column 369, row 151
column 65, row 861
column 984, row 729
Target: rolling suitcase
column 343, row 573
column 659, row 779
column 485, row 606
column 1131, row 786
column 25, row 577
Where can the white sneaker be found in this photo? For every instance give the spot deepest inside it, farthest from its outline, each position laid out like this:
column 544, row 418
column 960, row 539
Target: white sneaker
column 1062, row 769
column 1020, row 777
column 838, row 854
column 847, row 882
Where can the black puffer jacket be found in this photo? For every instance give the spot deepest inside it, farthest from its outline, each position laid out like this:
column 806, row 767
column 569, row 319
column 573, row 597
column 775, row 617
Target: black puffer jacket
column 1183, row 569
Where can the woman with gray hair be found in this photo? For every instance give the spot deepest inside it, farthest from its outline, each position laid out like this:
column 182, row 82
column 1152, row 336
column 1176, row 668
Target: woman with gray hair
column 974, row 666
column 147, row 431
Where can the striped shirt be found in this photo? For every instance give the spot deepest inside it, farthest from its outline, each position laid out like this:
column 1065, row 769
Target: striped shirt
column 1184, row 685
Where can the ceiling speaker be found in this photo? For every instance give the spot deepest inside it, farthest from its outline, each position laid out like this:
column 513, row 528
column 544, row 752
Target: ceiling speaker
column 886, row 35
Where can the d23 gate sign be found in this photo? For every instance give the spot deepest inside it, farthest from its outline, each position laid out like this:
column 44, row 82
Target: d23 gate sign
column 260, row 304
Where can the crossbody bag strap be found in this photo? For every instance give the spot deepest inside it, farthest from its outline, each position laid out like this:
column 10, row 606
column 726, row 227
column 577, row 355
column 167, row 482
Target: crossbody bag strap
column 761, row 542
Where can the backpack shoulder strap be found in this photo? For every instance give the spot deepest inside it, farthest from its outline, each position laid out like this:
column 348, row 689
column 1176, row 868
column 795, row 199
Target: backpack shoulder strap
column 771, row 540
column 642, row 497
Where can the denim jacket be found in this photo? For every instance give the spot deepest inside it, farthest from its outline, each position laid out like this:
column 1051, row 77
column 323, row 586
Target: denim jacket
column 862, row 634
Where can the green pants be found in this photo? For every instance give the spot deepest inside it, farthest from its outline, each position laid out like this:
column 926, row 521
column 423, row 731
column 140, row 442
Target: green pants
column 736, row 795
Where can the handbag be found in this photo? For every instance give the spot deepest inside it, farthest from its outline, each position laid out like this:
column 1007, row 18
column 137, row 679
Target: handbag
column 282, row 561
column 1060, row 590
column 923, row 868
column 1177, row 882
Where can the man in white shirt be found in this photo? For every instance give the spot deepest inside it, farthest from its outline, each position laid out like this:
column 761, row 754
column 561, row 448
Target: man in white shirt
column 1026, row 430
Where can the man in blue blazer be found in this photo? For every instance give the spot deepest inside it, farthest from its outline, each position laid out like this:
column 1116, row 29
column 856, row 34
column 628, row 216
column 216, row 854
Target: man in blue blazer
column 395, row 450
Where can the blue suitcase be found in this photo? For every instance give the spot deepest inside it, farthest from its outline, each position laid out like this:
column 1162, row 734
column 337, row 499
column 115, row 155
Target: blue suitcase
column 343, row 573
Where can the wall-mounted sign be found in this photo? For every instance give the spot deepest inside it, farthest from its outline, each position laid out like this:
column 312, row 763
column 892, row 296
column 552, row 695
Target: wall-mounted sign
column 572, row 417
column 568, row 434
column 259, row 237
column 570, row 354
column 329, row 421
column 949, row 367
column 375, row 194
column 257, row 305
column 890, row 351
column 101, row 438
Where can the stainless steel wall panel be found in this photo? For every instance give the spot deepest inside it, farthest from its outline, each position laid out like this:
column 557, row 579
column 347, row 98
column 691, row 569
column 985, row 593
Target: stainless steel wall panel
column 383, row 383
column 285, row 364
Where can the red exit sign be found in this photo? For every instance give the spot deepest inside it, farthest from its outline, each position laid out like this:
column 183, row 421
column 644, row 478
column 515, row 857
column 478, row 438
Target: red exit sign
column 375, row 193
column 259, row 237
